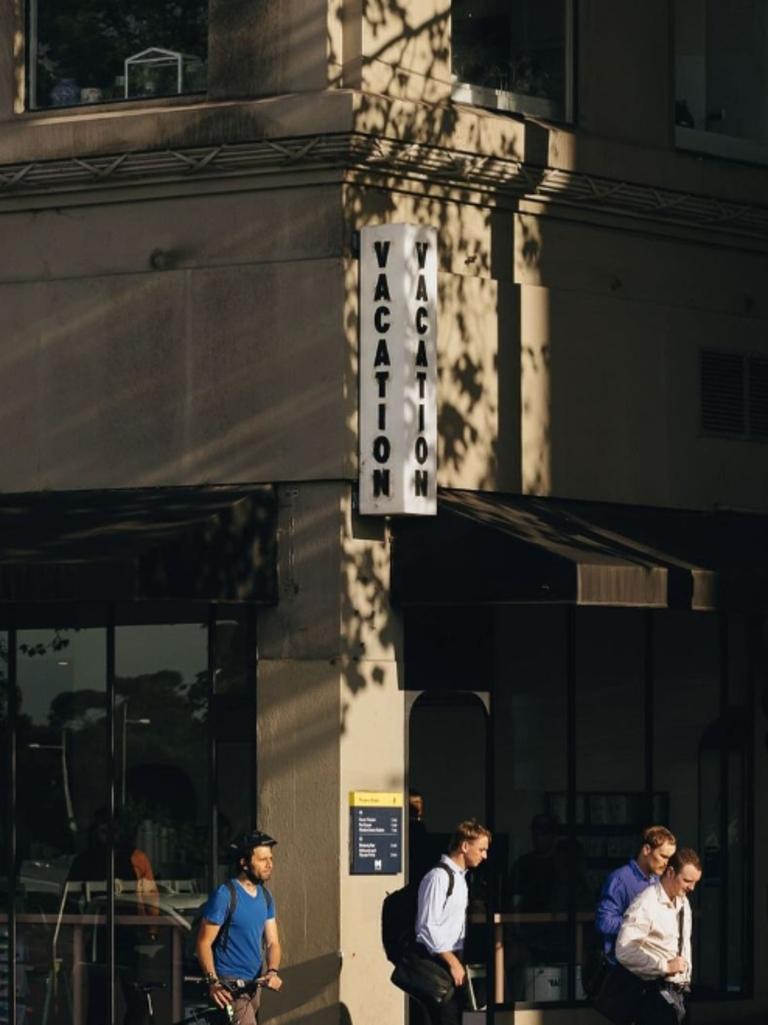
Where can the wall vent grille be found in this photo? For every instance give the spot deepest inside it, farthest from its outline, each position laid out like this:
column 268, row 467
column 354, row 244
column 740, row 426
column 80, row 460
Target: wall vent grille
column 734, row 394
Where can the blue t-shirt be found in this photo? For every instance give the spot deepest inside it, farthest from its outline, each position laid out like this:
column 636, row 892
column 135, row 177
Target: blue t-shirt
column 241, row 958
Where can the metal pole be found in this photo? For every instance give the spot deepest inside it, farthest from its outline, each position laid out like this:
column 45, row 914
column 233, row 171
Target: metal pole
column 111, row 789
column 65, row 777
column 12, row 840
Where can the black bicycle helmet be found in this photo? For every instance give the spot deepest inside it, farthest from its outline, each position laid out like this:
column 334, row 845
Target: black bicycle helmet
column 242, row 846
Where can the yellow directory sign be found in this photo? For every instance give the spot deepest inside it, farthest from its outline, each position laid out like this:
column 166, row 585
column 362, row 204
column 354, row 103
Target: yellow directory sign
column 376, row 832
column 375, row 799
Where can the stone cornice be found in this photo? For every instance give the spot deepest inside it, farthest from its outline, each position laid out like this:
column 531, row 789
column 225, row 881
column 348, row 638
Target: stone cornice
column 388, row 161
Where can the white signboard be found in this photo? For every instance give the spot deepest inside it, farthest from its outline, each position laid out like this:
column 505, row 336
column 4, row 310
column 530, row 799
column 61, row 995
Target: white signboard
column 398, row 370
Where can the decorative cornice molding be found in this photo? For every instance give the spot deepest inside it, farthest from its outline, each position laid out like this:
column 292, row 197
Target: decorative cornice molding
column 383, row 158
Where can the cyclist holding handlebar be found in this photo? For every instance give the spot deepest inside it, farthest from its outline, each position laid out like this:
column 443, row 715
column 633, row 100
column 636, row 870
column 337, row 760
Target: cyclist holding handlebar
column 238, row 933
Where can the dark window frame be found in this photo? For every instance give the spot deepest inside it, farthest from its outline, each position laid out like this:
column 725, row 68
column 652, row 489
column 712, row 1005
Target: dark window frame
column 29, row 20
column 508, row 101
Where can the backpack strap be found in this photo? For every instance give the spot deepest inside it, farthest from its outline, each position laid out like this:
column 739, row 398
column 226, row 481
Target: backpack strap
column 451, row 881
column 223, row 938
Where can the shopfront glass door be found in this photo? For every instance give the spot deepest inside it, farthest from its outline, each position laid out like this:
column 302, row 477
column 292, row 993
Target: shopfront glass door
column 116, row 722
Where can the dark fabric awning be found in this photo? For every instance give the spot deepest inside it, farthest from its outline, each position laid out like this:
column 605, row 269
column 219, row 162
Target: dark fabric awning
column 491, row 548
column 198, row 543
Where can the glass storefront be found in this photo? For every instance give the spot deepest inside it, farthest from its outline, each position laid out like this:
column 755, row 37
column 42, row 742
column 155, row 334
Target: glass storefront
column 602, row 721
column 122, row 728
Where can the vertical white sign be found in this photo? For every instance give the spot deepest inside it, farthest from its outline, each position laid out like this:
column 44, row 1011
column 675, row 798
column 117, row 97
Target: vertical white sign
column 398, row 370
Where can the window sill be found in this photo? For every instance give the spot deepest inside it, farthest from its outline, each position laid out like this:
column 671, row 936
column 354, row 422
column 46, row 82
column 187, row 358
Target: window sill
column 726, row 146
column 507, row 102
column 113, row 106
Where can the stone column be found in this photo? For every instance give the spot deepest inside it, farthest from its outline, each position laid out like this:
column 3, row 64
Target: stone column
column 264, row 48
column 11, row 59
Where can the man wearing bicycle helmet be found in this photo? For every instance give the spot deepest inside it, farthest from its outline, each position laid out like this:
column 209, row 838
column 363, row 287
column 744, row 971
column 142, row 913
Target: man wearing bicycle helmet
column 238, row 941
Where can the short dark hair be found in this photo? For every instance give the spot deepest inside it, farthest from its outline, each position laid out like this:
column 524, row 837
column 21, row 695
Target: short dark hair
column 681, row 858
column 466, row 831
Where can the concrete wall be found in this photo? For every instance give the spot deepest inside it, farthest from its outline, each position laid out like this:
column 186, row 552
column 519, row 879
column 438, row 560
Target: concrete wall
column 613, row 323
column 175, row 341
column 330, row 720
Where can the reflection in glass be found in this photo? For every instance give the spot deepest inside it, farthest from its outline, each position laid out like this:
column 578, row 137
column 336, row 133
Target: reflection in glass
column 161, row 717
column 94, row 51
column 62, row 768
column 687, row 701
column 517, row 49
column 721, row 61
column 233, row 725
column 530, row 694
column 5, row 824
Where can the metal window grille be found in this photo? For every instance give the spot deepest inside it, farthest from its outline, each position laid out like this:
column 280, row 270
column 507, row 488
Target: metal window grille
column 757, row 390
column 723, row 393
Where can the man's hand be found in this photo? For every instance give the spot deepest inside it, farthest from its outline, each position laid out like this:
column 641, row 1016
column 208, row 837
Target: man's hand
column 273, row 980
column 458, row 974
column 677, row 964
column 220, row 994
column 454, row 966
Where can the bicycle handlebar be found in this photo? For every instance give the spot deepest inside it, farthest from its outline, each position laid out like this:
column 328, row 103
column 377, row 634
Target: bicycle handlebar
column 260, row 980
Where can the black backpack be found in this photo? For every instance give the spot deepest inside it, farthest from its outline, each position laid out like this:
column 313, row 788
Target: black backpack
column 398, row 917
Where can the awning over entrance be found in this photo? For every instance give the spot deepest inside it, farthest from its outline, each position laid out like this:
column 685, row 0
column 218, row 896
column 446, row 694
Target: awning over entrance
column 199, row 543
column 501, row 549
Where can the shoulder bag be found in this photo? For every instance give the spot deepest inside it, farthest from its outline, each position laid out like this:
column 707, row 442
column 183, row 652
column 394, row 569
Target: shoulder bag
column 421, row 977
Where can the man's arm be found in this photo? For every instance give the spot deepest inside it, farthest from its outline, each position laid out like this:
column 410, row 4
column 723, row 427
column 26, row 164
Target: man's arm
column 206, row 935
column 432, row 897
column 610, row 910
column 273, row 952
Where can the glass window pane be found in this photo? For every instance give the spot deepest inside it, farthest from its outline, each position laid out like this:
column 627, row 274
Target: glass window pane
column 721, row 62
column 530, row 715
column 686, row 762
column 61, row 783
column 234, row 725
column 161, row 851
column 610, row 744
column 5, row 885
column 93, row 51
column 517, row 49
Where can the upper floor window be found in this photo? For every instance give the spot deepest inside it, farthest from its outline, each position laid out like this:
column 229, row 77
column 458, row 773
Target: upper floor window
column 98, row 51
column 721, row 68
column 515, row 56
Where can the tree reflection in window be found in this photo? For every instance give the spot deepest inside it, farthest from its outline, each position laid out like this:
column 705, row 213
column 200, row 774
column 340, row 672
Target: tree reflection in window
column 80, row 48
column 519, row 49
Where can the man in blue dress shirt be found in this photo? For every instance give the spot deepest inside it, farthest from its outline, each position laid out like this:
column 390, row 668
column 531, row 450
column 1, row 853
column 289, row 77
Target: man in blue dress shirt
column 625, row 883
column 442, row 912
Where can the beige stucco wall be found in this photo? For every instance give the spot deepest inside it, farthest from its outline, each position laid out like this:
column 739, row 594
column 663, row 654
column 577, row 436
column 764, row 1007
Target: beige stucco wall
column 612, row 326
column 117, row 373
column 330, row 720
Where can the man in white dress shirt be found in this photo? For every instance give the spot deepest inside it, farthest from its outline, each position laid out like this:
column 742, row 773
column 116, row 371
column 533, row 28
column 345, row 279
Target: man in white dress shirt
column 442, row 912
column 654, row 941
